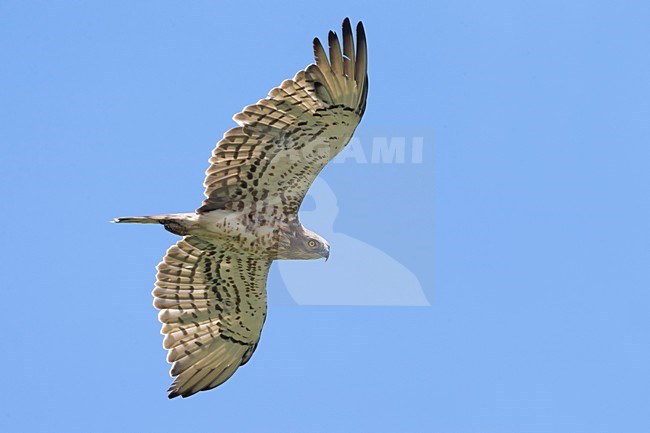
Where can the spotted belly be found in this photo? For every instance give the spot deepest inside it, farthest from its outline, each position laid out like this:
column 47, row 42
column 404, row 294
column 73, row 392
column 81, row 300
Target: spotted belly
column 254, row 234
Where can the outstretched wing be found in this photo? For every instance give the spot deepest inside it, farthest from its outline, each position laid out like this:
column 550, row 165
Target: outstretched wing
column 286, row 139
column 212, row 305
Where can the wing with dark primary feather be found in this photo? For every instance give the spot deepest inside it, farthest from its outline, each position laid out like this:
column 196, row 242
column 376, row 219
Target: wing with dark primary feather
column 286, row 139
column 212, row 305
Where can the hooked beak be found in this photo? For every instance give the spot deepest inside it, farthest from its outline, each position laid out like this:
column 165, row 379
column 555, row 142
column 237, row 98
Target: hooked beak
column 327, row 254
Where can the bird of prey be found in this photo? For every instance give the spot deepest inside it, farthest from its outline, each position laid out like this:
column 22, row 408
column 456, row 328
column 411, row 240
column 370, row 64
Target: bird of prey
column 211, row 285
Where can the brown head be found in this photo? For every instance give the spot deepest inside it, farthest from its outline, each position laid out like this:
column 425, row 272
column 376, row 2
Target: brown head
column 299, row 243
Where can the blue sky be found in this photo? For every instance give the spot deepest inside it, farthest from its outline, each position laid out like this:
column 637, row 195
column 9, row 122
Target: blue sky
column 525, row 222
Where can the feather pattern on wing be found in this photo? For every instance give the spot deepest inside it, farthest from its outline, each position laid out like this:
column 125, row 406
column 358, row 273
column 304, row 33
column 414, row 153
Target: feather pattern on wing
column 212, row 305
column 285, row 140
column 211, row 285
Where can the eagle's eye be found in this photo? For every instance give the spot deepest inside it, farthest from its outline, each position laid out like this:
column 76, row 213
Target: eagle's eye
column 311, row 244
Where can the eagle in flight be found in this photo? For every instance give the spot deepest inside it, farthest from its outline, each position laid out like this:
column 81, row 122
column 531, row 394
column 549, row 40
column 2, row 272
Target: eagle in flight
column 211, row 286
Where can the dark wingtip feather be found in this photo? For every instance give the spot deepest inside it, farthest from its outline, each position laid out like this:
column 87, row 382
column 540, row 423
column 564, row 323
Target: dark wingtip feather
column 332, row 40
column 319, row 53
column 184, row 394
column 336, row 57
column 361, row 35
column 362, row 55
column 348, row 49
column 347, row 28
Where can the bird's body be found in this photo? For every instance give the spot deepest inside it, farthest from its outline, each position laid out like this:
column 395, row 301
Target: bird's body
column 264, row 235
column 211, row 285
